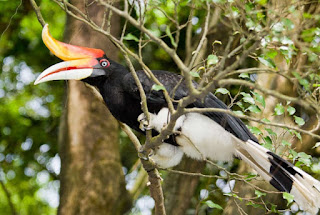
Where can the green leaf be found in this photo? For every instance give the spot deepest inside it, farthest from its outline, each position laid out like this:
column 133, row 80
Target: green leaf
column 240, row 104
column 247, row 98
column 316, row 145
column 288, row 23
column 249, row 7
column 293, row 154
column 267, row 62
column 250, row 176
column 255, row 130
column 222, row 91
column 201, row 68
column 291, row 110
column 195, row 74
column 216, row 42
column 259, row 193
column 279, row 109
column 285, row 143
column 270, row 131
column 288, row 197
column 168, row 32
column 265, row 120
column 307, row 15
column 157, row 87
column 268, row 143
column 254, row 204
column 233, row 195
column 254, row 109
column 261, row 2
column 211, row 204
column 244, row 75
column 304, row 82
column 298, row 135
column 212, row 59
column 131, row 37
column 259, row 98
column 274, row 208
column 239, row 112
column 228, row 194
column 271, row 54
column 299, row 120
column 245, row 94
column 304, row 158
column 260, row 16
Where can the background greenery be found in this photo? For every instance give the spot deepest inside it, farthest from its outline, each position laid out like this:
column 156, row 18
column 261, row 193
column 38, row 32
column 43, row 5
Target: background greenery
column 29, row 114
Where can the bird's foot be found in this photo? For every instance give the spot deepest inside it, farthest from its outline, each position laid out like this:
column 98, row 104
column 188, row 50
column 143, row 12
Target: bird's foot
column 145, row 154
column 144, row 124
column 177, row 132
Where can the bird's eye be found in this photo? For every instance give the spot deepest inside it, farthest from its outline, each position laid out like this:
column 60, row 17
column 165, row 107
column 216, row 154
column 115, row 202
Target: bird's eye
column 104, row 63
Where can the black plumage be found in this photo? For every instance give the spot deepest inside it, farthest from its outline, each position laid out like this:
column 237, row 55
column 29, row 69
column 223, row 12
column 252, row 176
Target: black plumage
column 122, row 96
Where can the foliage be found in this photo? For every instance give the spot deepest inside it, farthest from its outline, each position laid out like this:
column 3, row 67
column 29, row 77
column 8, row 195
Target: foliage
column 29, row 116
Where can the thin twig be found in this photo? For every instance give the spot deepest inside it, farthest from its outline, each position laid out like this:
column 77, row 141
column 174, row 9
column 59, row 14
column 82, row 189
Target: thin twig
column 305, row 104
column 38, row 12
column 203, row 38
column 8, row 195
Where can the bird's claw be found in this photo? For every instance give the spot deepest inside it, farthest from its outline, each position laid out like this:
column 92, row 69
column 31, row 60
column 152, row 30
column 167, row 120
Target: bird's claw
column 145, row 155
column 144, row 124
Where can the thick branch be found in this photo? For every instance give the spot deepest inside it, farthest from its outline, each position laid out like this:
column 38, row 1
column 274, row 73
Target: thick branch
column 154, row 177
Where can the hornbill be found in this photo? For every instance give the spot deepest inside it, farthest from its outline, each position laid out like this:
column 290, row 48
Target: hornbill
column 212, row 135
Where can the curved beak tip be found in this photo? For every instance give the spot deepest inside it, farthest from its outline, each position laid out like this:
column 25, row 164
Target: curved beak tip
column 37, row 82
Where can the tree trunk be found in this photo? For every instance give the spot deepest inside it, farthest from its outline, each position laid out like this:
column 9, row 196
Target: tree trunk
column 92, row 180
column 179, row 189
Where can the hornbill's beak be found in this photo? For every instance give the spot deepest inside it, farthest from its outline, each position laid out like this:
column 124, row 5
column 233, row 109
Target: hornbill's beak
column 78, row 61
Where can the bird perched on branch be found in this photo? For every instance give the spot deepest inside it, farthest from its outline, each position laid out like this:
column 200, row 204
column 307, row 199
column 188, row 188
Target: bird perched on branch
column 208, row 135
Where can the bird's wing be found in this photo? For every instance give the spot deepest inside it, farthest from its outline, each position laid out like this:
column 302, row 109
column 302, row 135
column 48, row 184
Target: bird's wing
column 155, row 97
column 156, row 100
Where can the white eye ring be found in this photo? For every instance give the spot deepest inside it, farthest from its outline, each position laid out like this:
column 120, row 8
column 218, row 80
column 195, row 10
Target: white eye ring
column 104, row 63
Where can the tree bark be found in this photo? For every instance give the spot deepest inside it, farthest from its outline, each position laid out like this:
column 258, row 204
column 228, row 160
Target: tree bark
column 92, row 180
column 179, row 189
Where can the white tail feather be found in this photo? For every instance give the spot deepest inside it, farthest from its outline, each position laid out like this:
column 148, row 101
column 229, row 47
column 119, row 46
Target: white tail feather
column 305, row 189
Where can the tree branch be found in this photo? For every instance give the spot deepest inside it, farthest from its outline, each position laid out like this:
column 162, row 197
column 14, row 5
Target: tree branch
column 299, row 101
column 38, row 12
column 203, row 38
column 154, row 177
